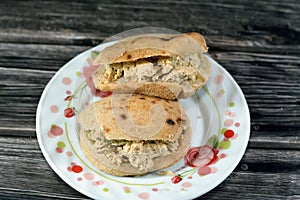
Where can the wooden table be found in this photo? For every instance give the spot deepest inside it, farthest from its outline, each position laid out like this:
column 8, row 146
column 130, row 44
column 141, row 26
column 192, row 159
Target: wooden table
column 258, row 42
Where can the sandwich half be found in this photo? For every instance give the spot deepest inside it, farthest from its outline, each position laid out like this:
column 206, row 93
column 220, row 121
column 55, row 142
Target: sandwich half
column 131, row 135
column 169, row 66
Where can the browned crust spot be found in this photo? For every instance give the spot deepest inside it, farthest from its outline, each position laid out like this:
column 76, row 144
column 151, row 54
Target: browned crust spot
column 106, row 129
column 170, row 121
column 123, row 116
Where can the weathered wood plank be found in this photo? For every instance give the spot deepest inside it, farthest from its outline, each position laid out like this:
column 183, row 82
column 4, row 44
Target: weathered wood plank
column 22, row 160
column 260, row 26
column 259, row 185
column 276, row 172
column 42, row 57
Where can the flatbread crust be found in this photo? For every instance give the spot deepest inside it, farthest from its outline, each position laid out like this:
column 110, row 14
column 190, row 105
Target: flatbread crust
column 135, row 117
column 149, row 45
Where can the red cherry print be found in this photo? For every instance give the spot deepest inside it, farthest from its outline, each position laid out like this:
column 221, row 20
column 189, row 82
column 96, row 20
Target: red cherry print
column 56, row 130
column 229, row 133
column 68, row 98
column 69, row 112
column 76, row 168
column 176, row 179
column 59, row 150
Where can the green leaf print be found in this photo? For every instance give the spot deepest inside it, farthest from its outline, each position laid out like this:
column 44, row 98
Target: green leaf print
column 213, row 141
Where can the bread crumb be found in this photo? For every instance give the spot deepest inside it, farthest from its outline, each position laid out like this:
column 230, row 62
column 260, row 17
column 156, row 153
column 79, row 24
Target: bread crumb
column 169, row 172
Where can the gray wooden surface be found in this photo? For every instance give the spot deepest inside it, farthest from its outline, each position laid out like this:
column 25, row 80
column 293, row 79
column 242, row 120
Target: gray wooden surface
column 257, row 42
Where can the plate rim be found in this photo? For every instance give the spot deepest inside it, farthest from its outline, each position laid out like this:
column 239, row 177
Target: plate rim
column 39, row 135
column 247, row 135
column 222, row 176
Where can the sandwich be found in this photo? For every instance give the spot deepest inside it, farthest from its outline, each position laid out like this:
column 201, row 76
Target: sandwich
column 131, row 135
column 169, row 66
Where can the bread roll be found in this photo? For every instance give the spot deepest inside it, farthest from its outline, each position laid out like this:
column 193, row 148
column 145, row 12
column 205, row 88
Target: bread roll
column 161, row 65
column 130, row 135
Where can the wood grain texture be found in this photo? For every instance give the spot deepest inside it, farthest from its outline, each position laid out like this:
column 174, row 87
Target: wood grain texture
column 257, row 42
column 276, row 172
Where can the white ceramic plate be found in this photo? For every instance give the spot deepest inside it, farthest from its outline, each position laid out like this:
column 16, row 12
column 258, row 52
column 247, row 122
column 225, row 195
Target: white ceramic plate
column 219, row 119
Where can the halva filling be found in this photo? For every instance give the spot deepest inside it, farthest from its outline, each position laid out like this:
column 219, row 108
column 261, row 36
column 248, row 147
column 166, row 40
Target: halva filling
column 180, row 69
column 140, row 154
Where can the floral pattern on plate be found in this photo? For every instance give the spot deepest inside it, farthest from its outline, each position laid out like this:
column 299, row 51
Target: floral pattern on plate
column 221, row 128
